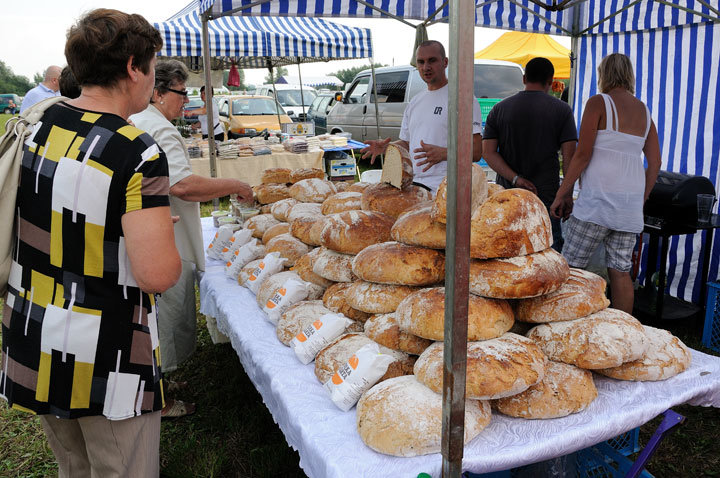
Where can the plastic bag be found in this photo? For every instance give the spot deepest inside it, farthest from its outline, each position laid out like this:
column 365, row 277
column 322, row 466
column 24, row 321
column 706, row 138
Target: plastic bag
column 221, row 240
column 238, row 239
column 317, row 335
column 291, row 292
column 246, row 253
column 271, row 264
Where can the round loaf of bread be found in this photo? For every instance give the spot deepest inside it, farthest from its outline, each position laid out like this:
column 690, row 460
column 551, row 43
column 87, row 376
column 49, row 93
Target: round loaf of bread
column 494, row 188
column 604, row 339
column 312, row 190
column 271, row 284
column 395, row 263
column 377, row 298
column 247, row 270
column 297, row 175
column 270, row 193
column 334, row 266
column 315, row 233
column 350, row 232
column 581, row 295
column 479, row 195
column 275, row 175
column 266, row 208
column 301, row 228
column 276, row 230
column 666, row 356
column 384, row 329
column 518, row 277
column 260, row 223
column 289, row 247
column 297, row 317
column 397, row 169
column 416, row 228
column 304, row 268
column 280, row 209
column 340, row 202
column 341, row 186
column 402, row 417
column 513, row 222
column 423, row 314
column 304, row 209
column 337, row 352
column 358, row 187
column 496, row 368
column 384, row 198
column 334, row 299
column 564, row 390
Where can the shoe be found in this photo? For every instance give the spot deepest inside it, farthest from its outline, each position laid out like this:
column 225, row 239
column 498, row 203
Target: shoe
column 177, row 409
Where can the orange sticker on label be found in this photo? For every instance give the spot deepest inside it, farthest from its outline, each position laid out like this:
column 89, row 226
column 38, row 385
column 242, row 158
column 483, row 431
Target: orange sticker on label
column 336, row 379
column 270, row 304
column 301, row 337
column 317, row 324
column 353, row 361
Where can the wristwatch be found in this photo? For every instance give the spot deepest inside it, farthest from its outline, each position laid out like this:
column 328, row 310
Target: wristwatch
column 514, row 180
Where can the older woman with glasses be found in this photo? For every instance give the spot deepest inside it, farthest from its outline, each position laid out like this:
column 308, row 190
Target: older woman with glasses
column 177, row 322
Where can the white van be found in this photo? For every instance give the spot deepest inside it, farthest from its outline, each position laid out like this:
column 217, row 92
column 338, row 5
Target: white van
column 396, row 86
column 290, row 97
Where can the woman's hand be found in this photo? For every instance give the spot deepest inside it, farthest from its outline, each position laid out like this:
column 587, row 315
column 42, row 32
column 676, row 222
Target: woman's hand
column 561, row 207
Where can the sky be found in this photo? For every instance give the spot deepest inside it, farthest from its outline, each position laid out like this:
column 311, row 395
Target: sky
column 33, row 35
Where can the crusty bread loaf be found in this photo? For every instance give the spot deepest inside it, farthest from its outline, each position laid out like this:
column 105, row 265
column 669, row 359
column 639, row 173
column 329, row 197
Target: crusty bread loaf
column 666, row 356
column 271, row 284
column 423, row 314
column 402, row 417
column 416, row 228
column 275, row 175
column 260, row 223
column 377, row 298
column 350, row 232
column 304, row 209
column 396, row 263
column 280, row 209
column 289, row 247
column 337, row 352
column 334, row 299
column 494, row 188
column 298, row 316
column 510, row 223
column 564, row 390
column 266, row 208
column 270, row 193
column 479, row 195
column 398, row 167
column 582, row 294
column 346, row 201
column 334, row 266
column 519, row 277
column 312, row 190
column 358, row 187
column 496, row 368
column 247, row 270
column 301, row 227
column 384, row 329
column 341, row 186
column 304, row 268
column 382, row 197
column 276, row 230
column 297, row 175
column 604, row 339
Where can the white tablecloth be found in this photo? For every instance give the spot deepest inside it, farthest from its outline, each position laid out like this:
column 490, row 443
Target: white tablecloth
column 327, row 440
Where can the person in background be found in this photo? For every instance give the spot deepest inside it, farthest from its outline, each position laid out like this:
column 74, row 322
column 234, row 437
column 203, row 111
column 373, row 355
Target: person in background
column 68, row 84
column 616, row 130
column 95, row 243
column 49, row 87
column 218, row 128
column 424, row 125
column 177, row 320
column 523, row 134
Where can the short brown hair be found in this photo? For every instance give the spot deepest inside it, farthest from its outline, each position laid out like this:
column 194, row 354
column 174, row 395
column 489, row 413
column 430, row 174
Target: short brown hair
column 100, row 44
column 616, row 70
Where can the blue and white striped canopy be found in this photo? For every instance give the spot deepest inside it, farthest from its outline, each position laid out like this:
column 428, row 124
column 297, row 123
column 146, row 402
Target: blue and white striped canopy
column 252, row 41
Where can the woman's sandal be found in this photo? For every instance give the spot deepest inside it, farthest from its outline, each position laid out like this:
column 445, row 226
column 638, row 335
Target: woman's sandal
column 177, row 409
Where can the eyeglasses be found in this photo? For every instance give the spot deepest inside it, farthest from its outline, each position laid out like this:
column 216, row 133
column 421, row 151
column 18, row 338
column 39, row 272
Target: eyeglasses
column 179, row 92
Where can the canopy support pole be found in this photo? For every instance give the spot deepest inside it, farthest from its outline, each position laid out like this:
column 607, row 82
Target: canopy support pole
column 574, row 40
column 272, row 80
column 302, row 96
column 377, row 114
column 209, row 100
column 457, row 257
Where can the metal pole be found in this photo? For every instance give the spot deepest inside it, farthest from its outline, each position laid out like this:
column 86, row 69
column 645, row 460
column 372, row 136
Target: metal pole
column 302, row 96
column 272, row 80
column 377, row 114
column 209, row 100
column 573, row 55
column 457, row 250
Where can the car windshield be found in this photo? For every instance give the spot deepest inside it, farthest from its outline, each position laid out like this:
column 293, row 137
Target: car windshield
column 497, row 81
column 293, row 97
column 255, row 106
column 194, row 103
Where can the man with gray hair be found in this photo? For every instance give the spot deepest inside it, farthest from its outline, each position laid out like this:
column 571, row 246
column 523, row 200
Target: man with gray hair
column 49, row 87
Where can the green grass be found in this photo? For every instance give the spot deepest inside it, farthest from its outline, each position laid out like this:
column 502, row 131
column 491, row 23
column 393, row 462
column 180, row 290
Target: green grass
column 3, row 120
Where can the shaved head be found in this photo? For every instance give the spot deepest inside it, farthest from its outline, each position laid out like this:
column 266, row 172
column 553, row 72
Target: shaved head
column 52, row 72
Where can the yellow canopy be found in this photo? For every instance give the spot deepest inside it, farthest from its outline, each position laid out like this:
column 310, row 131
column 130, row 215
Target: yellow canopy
column 521, row 47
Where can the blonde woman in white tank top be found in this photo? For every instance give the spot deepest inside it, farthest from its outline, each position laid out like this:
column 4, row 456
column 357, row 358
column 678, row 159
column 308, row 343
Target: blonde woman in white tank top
column 615, row 132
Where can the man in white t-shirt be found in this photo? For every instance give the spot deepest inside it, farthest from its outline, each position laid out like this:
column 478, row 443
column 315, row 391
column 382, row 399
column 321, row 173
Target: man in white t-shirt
column 424, row 126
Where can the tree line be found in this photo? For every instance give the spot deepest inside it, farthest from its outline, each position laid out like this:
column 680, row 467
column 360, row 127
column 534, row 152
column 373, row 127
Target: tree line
column 12, row 83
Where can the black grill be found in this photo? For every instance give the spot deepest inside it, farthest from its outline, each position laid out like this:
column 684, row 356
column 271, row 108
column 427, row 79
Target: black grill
column 673, row 199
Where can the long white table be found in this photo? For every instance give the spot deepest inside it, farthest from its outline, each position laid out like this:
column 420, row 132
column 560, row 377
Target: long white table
column 327, row 440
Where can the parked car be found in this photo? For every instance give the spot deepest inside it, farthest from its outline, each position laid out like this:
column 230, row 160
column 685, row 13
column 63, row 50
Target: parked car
column 319, row 109
column 291, row 98
column 10, row 103
column 190, row 111
column 245, row 115
column 397, row 85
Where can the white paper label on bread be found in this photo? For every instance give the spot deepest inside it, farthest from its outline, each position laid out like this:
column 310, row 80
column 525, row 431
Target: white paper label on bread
column 246, row 253
column 271, row 264
column 357, row 375
column 290, row 293
column 221, row 240
column 317, row 335
column 238, row 239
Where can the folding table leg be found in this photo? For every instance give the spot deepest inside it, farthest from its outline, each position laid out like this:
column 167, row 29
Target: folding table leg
column 670, row 421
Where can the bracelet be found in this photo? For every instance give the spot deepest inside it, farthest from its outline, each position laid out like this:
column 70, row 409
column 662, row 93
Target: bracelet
column 514, row 180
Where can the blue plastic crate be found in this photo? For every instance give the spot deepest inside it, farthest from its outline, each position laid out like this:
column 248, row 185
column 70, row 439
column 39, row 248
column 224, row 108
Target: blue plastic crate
column 711, row 330
column 602, row 461
column 626, row 443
